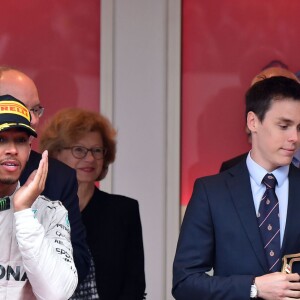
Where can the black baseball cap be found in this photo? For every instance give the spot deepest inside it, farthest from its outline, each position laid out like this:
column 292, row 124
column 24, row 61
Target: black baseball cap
column 14, row 114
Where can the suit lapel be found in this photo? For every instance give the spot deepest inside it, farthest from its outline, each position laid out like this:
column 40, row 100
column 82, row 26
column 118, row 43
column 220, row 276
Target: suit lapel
column 240, row 189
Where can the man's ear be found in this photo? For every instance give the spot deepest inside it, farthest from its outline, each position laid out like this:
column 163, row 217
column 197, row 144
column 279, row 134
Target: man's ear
column 252, row 121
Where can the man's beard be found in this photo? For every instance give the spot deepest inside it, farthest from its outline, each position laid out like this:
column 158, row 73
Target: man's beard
column 8, row 181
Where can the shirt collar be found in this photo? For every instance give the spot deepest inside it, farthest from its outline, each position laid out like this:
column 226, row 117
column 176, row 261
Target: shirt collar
column 257, row 172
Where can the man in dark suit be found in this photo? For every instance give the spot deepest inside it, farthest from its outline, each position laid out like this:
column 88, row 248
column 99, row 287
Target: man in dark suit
column 221, row 231
column 61, row 183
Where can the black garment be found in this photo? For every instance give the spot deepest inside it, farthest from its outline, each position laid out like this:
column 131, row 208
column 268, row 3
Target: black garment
column 232, row 162
column 114, row 236
column 61, row 184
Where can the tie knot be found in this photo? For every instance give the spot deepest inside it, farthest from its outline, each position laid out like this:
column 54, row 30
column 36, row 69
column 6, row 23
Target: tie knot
column 269, row 181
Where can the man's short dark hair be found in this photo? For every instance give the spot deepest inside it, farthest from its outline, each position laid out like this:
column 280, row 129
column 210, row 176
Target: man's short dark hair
column 260, row 96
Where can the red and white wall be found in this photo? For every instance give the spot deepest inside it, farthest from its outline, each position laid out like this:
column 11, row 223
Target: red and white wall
column 171, row 75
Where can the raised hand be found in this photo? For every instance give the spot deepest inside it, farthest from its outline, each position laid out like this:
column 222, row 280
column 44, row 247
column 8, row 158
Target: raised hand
column 33, row 187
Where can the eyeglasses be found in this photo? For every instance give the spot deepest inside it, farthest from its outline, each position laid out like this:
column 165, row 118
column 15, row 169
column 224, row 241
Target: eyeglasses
column 81, row 152
column 37, row 110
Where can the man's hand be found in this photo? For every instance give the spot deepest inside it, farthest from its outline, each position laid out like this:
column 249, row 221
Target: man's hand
column 33, row 187
column 275, row 286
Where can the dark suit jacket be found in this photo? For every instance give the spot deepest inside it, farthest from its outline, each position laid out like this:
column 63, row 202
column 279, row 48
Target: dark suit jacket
column 114, row 235
column 61, row 184
column 220, row 231
column 232, row 162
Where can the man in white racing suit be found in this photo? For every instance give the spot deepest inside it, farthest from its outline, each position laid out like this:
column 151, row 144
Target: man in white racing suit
column 36, row 260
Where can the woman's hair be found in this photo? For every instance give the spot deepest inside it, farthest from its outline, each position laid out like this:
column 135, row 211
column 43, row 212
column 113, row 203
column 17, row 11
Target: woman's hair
column 70, row 125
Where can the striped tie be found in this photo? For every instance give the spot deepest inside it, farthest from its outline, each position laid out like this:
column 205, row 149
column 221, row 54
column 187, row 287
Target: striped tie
column 268, row 219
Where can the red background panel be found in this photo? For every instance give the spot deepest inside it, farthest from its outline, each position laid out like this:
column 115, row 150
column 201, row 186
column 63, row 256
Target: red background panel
column 224, row 45
column 57, row 43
